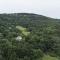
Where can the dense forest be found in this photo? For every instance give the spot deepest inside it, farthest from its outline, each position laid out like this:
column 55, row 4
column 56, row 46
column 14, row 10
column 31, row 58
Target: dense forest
column 25, row 36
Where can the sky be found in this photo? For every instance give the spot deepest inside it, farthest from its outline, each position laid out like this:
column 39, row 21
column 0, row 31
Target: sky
column 50, row 8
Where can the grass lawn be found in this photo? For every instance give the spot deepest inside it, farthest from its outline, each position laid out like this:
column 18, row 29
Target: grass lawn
column 23, row 30
column 47, row 57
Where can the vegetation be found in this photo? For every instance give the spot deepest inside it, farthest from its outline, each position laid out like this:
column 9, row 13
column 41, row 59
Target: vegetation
column 23, row 30
column 47, row 57
column 40, row 37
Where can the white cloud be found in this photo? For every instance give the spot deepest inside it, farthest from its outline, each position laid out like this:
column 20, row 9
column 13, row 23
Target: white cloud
column 45, row 7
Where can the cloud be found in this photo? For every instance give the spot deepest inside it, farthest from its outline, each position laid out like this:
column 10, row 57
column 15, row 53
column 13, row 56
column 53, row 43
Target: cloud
column 45, row 7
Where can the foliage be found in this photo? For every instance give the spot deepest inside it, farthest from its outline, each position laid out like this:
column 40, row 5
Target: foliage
column 40, row 36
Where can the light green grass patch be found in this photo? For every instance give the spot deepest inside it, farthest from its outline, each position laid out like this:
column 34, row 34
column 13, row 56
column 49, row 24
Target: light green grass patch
column 47, row 57
column 23, row 30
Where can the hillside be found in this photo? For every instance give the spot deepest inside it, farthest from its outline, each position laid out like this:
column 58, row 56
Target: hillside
column 26, row 36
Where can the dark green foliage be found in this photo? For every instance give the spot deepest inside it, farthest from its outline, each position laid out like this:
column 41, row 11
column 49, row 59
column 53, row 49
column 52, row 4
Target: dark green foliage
column 44, row 37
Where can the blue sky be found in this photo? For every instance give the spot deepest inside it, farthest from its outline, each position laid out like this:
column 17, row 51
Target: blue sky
column 50, row 8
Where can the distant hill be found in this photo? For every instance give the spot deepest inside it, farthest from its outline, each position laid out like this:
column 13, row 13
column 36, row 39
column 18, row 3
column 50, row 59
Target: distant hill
column 40, row 37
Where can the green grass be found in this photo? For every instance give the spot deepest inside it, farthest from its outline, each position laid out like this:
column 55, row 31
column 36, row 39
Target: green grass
column 23, row 30
column 47, row 57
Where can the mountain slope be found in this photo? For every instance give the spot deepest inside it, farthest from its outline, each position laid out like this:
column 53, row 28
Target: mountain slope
column 43, row 37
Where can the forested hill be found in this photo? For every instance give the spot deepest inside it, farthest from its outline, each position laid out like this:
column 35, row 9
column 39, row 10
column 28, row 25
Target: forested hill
column 26, row 36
